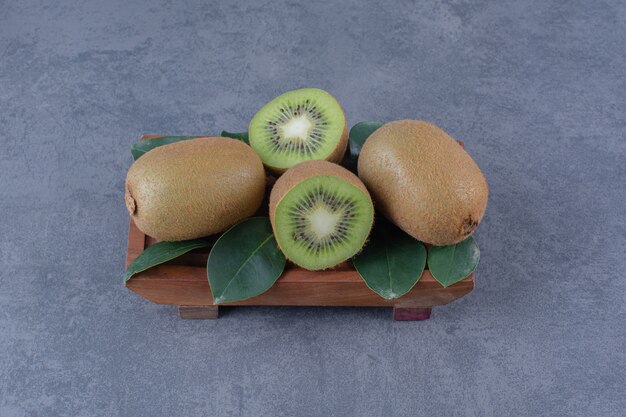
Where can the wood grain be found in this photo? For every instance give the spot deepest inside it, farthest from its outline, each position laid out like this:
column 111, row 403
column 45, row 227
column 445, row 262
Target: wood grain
column 198, row 312
column 183, row 282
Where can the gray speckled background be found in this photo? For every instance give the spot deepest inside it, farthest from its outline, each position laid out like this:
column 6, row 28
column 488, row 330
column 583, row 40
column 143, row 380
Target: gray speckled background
column 536, row 89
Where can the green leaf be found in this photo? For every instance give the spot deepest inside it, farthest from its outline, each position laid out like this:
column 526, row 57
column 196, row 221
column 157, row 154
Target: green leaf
column 139, row 148
column 245, row 261
column 392, row 262
column 450, row 264
column 243, row 136
column 162, row 252
column 358, row 134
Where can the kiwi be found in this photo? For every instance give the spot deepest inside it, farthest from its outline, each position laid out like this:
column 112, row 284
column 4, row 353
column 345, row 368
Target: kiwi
column 194, row 188
column 300, row 125
column 424, row 181
column 321, row 214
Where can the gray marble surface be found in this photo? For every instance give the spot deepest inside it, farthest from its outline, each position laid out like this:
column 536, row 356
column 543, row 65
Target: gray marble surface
column 536, row 89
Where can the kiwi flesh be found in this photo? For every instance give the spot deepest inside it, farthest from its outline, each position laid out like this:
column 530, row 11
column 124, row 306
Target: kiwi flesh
column 321, row 214
column 300, row 125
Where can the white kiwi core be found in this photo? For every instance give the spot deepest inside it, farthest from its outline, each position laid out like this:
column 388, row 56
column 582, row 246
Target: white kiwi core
column 323, row 222
column 297, row 128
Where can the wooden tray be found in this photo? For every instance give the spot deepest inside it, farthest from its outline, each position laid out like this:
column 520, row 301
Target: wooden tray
column 183, row 282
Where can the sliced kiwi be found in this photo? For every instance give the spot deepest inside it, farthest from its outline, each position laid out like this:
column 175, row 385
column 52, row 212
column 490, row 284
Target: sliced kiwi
column 300, row 125
column 321, row 214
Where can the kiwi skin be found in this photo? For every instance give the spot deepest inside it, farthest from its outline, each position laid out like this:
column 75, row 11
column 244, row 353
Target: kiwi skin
column 305, row 170
column 195, row 188
column 335, row 156
column 424, row 181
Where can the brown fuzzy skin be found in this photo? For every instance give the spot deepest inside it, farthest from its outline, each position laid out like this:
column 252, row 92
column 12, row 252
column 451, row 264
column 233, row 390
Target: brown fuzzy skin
column 337, row 155
column 195, row 188
column 423, row 181
column 301, row 172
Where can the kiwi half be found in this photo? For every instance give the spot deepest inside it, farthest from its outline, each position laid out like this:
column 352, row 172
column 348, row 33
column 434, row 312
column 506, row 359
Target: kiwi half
column 321, row 214
column 300, row 125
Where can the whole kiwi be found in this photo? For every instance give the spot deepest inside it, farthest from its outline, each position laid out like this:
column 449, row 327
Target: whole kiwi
column 194, row 188
column 424, row 181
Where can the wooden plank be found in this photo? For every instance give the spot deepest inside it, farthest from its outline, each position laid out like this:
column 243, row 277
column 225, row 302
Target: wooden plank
column 186, row 285
column 198, row 312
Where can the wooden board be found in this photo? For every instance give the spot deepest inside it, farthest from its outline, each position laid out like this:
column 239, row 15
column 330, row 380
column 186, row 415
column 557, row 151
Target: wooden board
column 183, row 282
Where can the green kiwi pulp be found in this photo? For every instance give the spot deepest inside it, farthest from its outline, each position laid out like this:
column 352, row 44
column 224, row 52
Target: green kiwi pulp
column 300, row 125
column 323, row 221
